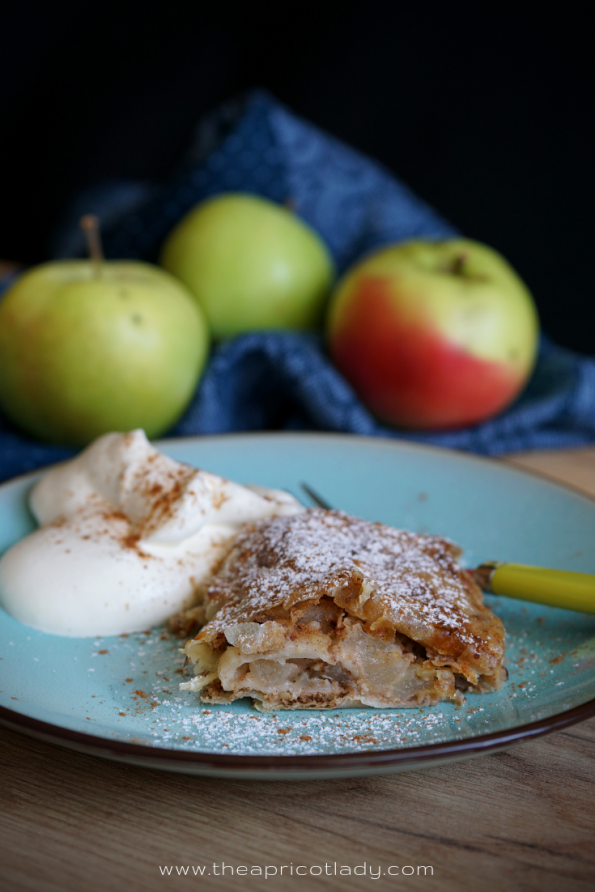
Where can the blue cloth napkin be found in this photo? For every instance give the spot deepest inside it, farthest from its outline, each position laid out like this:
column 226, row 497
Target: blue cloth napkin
column 283, row 380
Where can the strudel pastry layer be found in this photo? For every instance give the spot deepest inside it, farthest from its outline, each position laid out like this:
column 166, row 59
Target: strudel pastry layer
column 322, row 609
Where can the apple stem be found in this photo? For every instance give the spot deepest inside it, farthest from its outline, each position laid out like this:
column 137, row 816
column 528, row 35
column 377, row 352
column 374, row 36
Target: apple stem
column 90, row 226
column 457, row 265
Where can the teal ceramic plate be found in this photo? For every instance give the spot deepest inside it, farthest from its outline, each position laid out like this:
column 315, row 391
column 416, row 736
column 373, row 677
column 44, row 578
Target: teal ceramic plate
column 119, row 697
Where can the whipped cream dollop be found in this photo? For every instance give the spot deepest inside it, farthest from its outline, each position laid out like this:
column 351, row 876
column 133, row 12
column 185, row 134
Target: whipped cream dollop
column 126, row 537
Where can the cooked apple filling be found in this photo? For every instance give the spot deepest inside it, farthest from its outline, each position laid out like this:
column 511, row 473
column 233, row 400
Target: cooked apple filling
column 325, row 610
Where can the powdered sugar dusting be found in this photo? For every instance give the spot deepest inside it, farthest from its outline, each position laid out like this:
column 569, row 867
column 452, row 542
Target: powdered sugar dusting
column 414, row 579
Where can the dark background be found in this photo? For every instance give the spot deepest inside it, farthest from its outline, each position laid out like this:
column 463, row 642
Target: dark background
column 485, row 115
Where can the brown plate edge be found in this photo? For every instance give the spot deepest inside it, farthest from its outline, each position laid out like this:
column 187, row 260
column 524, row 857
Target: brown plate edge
column 221, row 765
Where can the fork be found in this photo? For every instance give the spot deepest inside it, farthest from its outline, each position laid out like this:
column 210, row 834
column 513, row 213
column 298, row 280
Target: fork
column 554, row 588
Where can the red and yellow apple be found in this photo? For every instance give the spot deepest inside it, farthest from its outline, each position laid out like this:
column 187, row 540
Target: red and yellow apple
column 434, row 335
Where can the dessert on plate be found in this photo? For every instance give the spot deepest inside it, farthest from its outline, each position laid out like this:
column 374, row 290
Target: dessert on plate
column 298, row 608
column 321, row 609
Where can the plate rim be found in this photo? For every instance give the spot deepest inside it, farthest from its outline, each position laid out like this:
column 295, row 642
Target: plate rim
column 390, row 442
column 310, row 764
column 368, row 761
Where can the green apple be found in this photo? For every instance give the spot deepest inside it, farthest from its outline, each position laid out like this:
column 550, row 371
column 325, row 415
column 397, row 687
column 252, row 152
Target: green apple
column 90, row 347
column 251, row 264
column 434, row 334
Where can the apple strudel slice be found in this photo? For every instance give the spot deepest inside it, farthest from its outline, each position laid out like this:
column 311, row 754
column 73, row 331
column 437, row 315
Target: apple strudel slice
column 323, row 610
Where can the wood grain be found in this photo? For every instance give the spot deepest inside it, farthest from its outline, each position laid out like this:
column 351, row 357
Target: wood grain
column 523, row 819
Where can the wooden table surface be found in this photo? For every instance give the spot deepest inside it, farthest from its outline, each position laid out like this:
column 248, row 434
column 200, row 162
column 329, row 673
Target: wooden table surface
column 519, row 819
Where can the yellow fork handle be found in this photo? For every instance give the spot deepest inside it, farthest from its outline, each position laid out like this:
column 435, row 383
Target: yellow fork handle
column 556, row 588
